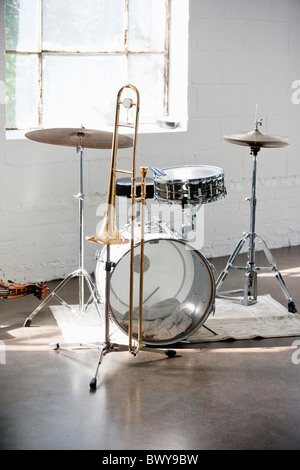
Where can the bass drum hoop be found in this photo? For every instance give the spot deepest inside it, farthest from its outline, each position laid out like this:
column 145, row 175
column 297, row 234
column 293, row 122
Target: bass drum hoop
column 210, row 307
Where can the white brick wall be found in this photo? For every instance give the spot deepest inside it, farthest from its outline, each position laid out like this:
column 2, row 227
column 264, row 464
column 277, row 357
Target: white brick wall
column 241, row 53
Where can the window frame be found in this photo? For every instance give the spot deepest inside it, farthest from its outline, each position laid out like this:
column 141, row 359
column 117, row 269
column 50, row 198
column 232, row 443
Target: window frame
column 41, row 53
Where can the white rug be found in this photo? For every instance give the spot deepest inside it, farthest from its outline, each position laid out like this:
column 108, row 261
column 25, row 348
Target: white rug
column 266, row 319
column 88, row 328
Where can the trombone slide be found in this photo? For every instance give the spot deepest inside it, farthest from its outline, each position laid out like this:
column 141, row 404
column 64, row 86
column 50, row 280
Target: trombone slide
column 108, row 232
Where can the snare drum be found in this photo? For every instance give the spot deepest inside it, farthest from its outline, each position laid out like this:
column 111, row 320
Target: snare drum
column 199, row 184
column 179, row 287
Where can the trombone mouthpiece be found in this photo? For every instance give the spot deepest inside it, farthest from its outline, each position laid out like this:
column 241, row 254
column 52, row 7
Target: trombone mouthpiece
column 144, row 170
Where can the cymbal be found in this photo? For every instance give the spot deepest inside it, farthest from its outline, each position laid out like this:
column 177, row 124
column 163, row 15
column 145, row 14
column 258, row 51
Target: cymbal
column 69, row 137
column 256, row 139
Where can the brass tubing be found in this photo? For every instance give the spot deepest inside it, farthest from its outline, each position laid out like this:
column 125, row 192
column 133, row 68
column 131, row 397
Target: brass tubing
column 142, row 244
column 108, row 232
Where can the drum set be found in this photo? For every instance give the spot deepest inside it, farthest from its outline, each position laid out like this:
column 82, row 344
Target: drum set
column 177, row 288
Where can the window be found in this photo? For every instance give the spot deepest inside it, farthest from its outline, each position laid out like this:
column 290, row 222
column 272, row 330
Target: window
column 66, row 60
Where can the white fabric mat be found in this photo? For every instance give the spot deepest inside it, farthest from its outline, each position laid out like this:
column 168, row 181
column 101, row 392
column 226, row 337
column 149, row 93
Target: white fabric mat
column 267, row 318
column 87, row 328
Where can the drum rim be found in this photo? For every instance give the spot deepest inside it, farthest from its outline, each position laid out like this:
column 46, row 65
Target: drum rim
column 191, row 201
column 166, row 179
column 210, row 305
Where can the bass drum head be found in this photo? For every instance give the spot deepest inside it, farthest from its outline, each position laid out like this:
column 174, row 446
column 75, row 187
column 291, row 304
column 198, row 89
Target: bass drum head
column 178, row 291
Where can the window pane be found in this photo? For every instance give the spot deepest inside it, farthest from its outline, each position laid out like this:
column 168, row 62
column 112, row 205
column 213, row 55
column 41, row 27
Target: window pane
column 81, row 89
column 146, row 72
column 22, row 25
column 147, row 20
column 22, row 91
column 92, row 25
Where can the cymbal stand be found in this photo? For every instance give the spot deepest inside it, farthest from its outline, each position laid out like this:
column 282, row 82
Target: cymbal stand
column 81, row 273
column 251, row 270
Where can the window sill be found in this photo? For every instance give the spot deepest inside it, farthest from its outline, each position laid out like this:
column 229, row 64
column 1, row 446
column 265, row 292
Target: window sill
column 163, row 128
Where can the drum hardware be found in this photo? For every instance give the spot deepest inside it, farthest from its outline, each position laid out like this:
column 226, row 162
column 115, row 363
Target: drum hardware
column 255, row 140
column 165, row 228
column 79, row 138
column 190, row 186
column 190, row 227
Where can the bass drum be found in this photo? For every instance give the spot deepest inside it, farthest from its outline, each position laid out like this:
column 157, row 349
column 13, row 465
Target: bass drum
column 179, row 287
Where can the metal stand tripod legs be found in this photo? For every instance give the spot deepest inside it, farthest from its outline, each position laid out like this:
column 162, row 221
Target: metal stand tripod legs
column 250, row 288
column 251, row 270
column 107, row 346
column 81, row 273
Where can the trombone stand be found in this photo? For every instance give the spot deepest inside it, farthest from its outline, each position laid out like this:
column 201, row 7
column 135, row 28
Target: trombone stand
column 81, row 273
column 107, row 346
column 251, row 270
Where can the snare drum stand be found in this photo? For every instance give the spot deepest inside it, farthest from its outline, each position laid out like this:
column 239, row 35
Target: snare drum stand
column 81, row 273
column 250, row 287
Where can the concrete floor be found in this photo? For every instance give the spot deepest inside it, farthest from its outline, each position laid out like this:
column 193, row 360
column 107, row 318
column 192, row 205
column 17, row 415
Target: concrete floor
column 224, row 395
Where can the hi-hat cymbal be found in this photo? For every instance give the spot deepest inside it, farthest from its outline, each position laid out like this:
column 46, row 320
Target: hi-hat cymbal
column 87, row 138
column 256, row 139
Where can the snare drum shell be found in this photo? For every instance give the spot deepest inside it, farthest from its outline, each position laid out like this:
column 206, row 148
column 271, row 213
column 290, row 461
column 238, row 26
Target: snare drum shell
column 198, row 184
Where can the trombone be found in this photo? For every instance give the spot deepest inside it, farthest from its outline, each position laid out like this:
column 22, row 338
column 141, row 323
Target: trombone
column 108, row 232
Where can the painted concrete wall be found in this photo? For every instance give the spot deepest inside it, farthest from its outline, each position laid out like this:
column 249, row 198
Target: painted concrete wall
column 239, row 53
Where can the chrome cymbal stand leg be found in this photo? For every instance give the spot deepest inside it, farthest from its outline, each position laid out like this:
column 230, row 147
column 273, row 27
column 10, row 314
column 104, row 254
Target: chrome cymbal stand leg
column 230, row 262
column 251, row 270
column 81, row 273
column 269, row 256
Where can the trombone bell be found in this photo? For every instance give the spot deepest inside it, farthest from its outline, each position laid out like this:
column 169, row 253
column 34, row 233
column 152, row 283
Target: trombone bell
column 108, row 233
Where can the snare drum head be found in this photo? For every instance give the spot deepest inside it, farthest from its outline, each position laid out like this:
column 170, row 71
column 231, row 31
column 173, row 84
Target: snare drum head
column 192, row 172
column 178, row 291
